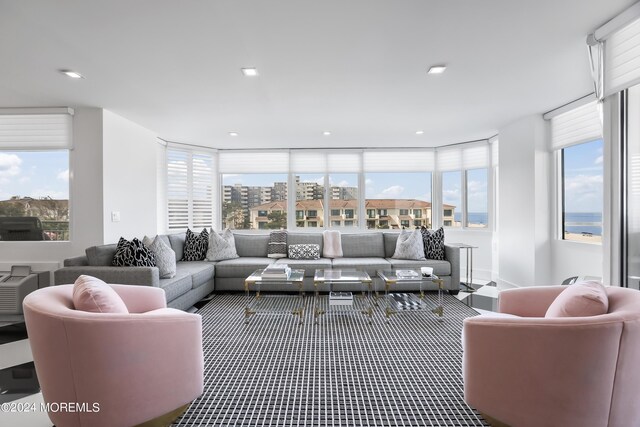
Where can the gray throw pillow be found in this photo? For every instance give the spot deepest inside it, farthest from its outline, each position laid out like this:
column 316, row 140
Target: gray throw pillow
column 165, row 256
column 277, row 244
column 409, row 246
column 221, row 246
column 304, row 251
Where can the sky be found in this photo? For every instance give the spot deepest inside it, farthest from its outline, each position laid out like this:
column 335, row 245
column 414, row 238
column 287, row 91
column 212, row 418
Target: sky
column 35, row 174
column 583, row 177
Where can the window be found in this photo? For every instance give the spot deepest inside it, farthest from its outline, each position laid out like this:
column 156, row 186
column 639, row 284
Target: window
column 335, row 212
column 312, row 224
column 477, row 199
column 371, row 213
column 452, row 198
column 399, row 195
column 34, row 195
column 384, row 223
column 299, row 214
column 189, row 189
column 246, row 197
column 336, row 223
column 417, row 223
column 309, row 198
column 582, row 192
column 344, row 193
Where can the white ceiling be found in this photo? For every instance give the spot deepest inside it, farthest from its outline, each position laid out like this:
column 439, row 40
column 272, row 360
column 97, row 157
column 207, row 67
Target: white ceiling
column 356, row 67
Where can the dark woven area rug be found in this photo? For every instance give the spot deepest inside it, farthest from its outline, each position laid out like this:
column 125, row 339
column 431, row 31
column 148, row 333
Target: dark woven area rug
column 341, row 372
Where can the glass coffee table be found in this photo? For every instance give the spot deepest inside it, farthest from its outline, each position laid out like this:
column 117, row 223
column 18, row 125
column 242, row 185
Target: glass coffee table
column 402, row 302
column 257, row 302
column 341, row 302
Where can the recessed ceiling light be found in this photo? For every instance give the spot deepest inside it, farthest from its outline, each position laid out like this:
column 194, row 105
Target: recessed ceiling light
column 437, row 69
column 250, row 72
column 326, row 133
column 72, row 74
column 419, row 132
column 233, row 133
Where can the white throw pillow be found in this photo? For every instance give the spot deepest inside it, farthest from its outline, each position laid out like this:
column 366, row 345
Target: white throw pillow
column 409, row 246
column 165, row 256
column 221, row 247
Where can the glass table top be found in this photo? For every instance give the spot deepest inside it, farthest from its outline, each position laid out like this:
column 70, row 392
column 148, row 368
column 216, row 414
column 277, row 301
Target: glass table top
column 404, row 274
column 341, row 275
column 295, row 276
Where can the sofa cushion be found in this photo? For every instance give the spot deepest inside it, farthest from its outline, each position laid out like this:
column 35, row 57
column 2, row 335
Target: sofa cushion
column 277, row 246
column 440, row 268
column 178, row 285
column 369, row 264
column 362, row 245
column 302, row 238
column 433, row 243
column 241, row 267
column 390, row 241
column 308, row 265
column 177, row 244
column 251, row 245
column 95, row 296
column 201, row 272
column 101, row 255
column 580, row 299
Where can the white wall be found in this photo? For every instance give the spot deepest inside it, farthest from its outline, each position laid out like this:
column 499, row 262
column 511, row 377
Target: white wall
column 482, row 256
column 524, row 255
column 85, row 185
column 129, row 179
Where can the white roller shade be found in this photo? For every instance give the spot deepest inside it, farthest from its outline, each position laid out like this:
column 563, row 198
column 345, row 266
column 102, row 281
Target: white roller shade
column 399, row 161
column 448, row 159
column 35, row 131
column 344, row 162
column 308, row 161
column 475, row 156
column 254, row 161
column 582, row 124
column 622, row 59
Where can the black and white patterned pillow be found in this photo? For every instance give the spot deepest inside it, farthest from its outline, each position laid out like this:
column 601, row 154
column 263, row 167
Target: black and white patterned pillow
column 133, row 254
column 433, row 241
column 196, row 245
column 277, row 247
column 304, row 251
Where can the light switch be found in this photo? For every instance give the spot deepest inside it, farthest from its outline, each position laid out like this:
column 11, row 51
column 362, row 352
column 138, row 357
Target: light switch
column 115, row 216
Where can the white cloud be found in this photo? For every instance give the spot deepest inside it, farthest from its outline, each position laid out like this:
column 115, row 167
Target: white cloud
column 9, row 165
column 368, row 181
column 64, row 175
column 599, row 160
column 583, row 193
column 44, row 192
column 391, row 192
column 451, row 197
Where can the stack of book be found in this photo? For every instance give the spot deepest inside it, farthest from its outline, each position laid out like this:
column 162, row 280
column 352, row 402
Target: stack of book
column 276, row 272
column 340, row 298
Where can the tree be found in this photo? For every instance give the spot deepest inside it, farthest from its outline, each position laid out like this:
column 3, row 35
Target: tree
column 277, row 220
column 233, row 215
column 11, row 208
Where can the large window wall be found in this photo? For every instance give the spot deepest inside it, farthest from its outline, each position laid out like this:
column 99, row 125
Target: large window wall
column 321, row 189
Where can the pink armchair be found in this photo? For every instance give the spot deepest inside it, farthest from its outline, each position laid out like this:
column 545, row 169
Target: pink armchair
column 116, row 369
column 535, row 371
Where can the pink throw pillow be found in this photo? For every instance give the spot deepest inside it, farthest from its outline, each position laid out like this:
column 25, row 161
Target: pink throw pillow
column 94, row 295
column 580, row 299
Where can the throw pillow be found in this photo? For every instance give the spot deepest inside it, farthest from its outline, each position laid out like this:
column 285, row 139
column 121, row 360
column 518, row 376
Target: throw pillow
column 195, row 245
column 165, row 256
column 93, row 295
column 304, row 251
column 433, row 241
column 277, row 247
column 580, row 299
column 221, row 246
column 133, row 254
column 409, row 246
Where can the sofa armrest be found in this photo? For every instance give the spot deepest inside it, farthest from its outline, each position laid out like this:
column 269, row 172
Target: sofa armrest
column 145, row 276
column 532, row 301
column 141, row 299
column 515, row 367
column 452, row 254
column 76, row 261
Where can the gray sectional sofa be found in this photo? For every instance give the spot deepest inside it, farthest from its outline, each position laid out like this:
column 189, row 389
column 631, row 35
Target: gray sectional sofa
column 370, row 251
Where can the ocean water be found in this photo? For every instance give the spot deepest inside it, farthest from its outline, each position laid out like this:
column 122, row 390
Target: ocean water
column 583, row 222
column 474, row 217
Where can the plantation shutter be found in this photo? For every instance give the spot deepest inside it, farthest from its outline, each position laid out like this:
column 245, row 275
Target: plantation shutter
column 190, row 181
